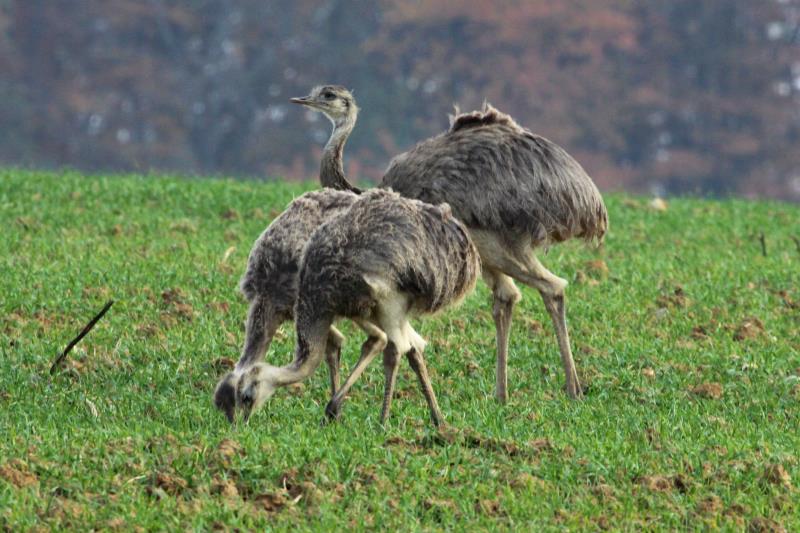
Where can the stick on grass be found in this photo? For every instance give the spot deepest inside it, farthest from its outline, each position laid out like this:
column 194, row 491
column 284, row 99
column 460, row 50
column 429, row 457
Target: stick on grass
column 81, row 335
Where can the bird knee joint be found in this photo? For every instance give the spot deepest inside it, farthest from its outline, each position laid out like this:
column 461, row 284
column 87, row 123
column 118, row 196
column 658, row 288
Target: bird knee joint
column 381, row 340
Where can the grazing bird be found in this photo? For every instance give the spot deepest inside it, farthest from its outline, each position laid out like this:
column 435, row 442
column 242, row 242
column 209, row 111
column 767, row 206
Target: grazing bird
column 270, row 285
column 385, row 259
column 516, row 192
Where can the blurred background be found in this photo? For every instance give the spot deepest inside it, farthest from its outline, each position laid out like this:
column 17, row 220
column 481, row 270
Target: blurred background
column 668, row 97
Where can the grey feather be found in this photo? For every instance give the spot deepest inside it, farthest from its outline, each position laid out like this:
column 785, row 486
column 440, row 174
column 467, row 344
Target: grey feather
column 419, row 248
column 499, row 176
column 274, row 260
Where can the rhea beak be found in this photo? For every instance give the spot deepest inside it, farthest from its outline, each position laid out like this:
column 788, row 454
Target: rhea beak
column 305, row 100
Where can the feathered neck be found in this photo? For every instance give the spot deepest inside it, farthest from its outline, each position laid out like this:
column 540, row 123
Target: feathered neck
column 331, row 170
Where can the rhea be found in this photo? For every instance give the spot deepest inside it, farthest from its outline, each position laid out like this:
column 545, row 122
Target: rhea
column 516, row 192
column 382, row 261
column 270, row 286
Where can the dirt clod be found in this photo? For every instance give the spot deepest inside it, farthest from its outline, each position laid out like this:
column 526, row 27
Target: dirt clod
column 228, row 448
column 271, row 502
column 488, row 507
column 230, row 214
column 750, row 328
column 225, row 487
column 761, row 524
column 776, row 474
column 597, row 268
column 438, row 503
column 659, row 483
column 710, row 505
column 17, row 473
column 711, row 391
column 676, row 298
column 170, row 483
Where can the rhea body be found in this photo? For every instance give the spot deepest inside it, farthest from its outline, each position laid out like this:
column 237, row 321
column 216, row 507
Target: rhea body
column 516, row 192
column 384, row 260
column 270, row 286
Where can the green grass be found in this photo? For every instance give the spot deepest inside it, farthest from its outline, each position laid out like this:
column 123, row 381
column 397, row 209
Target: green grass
column 126, row 434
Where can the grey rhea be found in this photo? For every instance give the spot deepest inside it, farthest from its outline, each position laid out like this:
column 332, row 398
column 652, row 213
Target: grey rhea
column 516, row 192
column 385, row 259
column 270, row 285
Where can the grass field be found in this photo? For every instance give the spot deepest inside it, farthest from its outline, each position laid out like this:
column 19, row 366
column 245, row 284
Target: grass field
column 686, row 335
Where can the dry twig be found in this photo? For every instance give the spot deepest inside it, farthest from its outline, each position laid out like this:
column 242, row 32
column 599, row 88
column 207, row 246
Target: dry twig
column 81, row 335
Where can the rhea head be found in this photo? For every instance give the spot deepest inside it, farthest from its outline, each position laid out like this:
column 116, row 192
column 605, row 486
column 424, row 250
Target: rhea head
column 256, row 385
column 336, row 102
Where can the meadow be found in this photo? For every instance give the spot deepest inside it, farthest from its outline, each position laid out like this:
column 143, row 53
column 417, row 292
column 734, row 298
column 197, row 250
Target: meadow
column 686, row 336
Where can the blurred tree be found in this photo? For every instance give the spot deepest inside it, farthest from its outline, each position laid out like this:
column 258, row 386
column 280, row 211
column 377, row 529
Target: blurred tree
column 673, row 96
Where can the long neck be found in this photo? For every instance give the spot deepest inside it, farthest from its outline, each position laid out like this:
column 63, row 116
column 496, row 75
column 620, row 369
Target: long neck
column 309, row 352
column 331, row 170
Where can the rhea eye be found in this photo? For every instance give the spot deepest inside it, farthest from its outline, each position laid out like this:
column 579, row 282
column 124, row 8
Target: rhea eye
column 328, row 95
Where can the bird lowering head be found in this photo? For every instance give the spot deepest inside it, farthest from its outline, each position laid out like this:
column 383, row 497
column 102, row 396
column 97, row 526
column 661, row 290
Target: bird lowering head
column 256, row 385
column 336, row 102
column 225, row 395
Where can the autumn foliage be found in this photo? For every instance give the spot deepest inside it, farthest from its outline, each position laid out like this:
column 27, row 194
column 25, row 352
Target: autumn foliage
column 679, row 96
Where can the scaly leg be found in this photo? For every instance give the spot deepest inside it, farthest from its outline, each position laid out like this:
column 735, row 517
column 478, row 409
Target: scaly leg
column 371, row 347
column 551, row 288
column 505, row 295
column 391, row 362
column 417, row 362
column 556, row 306
column 333, row 354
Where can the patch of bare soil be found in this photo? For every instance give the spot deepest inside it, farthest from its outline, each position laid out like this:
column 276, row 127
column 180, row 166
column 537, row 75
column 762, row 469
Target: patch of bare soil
column 711, row 391
column 438, row 504
column 528, row 482
column 166, row 483
column 674, row 299
column 224, row 487
column 226, row 451
column 776, row 474
column 292, row 490
column 489, row 507
column 750, row 328
column 659, row 483
column 18, row 474
column 597, row 268
column 230, row 214
column 174, row 300
column 710, row 505
column 762, row 524
column 605, row 493
column 468, row 439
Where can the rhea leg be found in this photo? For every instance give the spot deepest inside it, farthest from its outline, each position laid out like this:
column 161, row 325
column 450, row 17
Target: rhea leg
column 417, row 362
column 505, row 295
column 551, row 288
column 371, row 347
column 391, row 362
column 333, row 354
